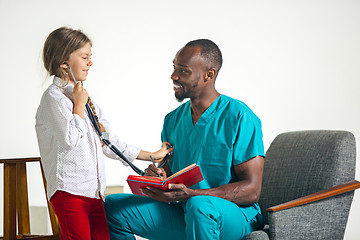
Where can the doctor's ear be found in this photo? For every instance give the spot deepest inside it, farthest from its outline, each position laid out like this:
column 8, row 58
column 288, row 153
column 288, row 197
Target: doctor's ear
column 210, row 75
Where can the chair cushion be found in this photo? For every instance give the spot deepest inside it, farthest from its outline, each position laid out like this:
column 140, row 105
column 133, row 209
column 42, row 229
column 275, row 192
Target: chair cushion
column 258, row 235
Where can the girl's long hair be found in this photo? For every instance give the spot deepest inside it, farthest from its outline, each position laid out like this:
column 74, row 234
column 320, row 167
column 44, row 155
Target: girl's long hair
column 57, row 49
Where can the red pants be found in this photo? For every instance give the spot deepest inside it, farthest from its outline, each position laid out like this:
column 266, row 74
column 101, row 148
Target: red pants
column 80, row 218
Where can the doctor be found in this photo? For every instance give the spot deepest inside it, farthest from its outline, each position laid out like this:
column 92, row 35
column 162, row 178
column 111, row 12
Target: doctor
column 224, row 137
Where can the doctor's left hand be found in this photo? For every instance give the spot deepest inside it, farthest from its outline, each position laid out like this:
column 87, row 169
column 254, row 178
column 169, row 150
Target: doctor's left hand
column 177, row 192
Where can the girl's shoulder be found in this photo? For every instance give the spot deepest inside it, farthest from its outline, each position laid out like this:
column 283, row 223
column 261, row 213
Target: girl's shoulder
column 56, row 95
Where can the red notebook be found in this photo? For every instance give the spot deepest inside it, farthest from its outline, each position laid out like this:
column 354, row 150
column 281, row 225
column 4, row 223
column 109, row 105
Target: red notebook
column 188, row 176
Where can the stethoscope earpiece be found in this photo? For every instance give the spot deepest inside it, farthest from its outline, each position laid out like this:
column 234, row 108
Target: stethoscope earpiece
column 67, row 65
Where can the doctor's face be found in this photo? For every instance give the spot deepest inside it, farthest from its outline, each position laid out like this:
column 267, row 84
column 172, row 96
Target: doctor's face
column 189, row 70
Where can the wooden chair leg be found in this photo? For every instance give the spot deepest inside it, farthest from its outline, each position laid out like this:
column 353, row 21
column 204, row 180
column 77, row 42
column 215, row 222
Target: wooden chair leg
column 10, row 201
column 22, row 204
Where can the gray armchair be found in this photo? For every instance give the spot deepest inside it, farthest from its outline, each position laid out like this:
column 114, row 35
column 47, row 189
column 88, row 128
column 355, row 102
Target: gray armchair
column 308, row 185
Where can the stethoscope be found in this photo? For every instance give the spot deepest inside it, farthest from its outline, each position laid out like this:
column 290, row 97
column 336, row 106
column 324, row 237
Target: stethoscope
column 106, row 140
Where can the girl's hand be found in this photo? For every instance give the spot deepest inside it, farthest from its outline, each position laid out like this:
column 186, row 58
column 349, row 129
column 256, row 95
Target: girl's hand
column 160, row 154
column 80, row 97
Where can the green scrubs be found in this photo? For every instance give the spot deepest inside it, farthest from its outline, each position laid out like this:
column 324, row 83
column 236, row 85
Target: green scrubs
column 227, row 134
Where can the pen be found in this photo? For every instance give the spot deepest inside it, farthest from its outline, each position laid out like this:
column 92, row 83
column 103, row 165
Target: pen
column 154, row 165
column 152, row 160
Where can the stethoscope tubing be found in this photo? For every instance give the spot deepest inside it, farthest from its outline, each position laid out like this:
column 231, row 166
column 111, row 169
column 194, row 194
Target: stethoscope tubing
column 103, row 139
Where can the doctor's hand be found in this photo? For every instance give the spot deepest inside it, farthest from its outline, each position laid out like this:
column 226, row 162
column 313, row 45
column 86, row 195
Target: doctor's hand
column 177, row 192
column 153, row 171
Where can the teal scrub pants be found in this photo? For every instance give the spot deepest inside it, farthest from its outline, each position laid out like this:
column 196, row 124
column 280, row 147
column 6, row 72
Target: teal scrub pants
column 201, row 217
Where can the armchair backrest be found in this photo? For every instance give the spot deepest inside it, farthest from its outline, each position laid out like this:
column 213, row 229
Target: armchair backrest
column 304, row 162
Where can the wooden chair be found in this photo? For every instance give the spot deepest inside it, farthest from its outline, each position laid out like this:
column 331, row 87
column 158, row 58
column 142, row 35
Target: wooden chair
column 16, row 202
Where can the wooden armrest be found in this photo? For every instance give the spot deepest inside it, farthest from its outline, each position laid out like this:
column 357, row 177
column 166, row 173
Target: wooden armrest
column 339, row 189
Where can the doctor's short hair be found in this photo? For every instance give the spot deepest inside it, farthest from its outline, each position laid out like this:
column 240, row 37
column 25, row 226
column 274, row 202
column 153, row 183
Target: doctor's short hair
column 209, row 51
column 58, row 46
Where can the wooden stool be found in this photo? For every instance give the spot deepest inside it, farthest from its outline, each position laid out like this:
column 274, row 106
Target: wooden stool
column 16, row 202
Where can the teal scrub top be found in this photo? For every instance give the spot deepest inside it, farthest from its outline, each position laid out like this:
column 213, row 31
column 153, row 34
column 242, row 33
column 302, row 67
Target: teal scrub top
column 228, row 133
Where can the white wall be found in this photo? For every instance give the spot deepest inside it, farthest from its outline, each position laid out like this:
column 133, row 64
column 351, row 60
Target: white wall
column 295, row 63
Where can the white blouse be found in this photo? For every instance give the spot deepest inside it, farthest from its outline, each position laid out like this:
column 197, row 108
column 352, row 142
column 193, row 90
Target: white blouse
column 70, row 149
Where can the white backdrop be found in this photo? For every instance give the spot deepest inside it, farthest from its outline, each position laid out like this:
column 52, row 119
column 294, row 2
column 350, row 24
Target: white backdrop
column 295, row 63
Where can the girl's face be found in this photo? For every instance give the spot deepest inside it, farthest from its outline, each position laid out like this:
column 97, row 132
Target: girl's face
column 80, row 63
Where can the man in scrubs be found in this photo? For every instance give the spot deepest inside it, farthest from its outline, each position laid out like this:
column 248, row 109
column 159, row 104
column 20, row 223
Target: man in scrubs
column 218, row 133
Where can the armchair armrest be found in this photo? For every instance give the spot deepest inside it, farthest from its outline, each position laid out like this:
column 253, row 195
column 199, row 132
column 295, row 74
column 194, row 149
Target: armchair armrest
column 322, row 215
column 339, row 189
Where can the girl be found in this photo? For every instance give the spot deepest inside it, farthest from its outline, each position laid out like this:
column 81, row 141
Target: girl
column 70, row 148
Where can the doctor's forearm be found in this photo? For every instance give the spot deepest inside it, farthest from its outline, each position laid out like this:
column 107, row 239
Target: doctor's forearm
column 239, row 193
